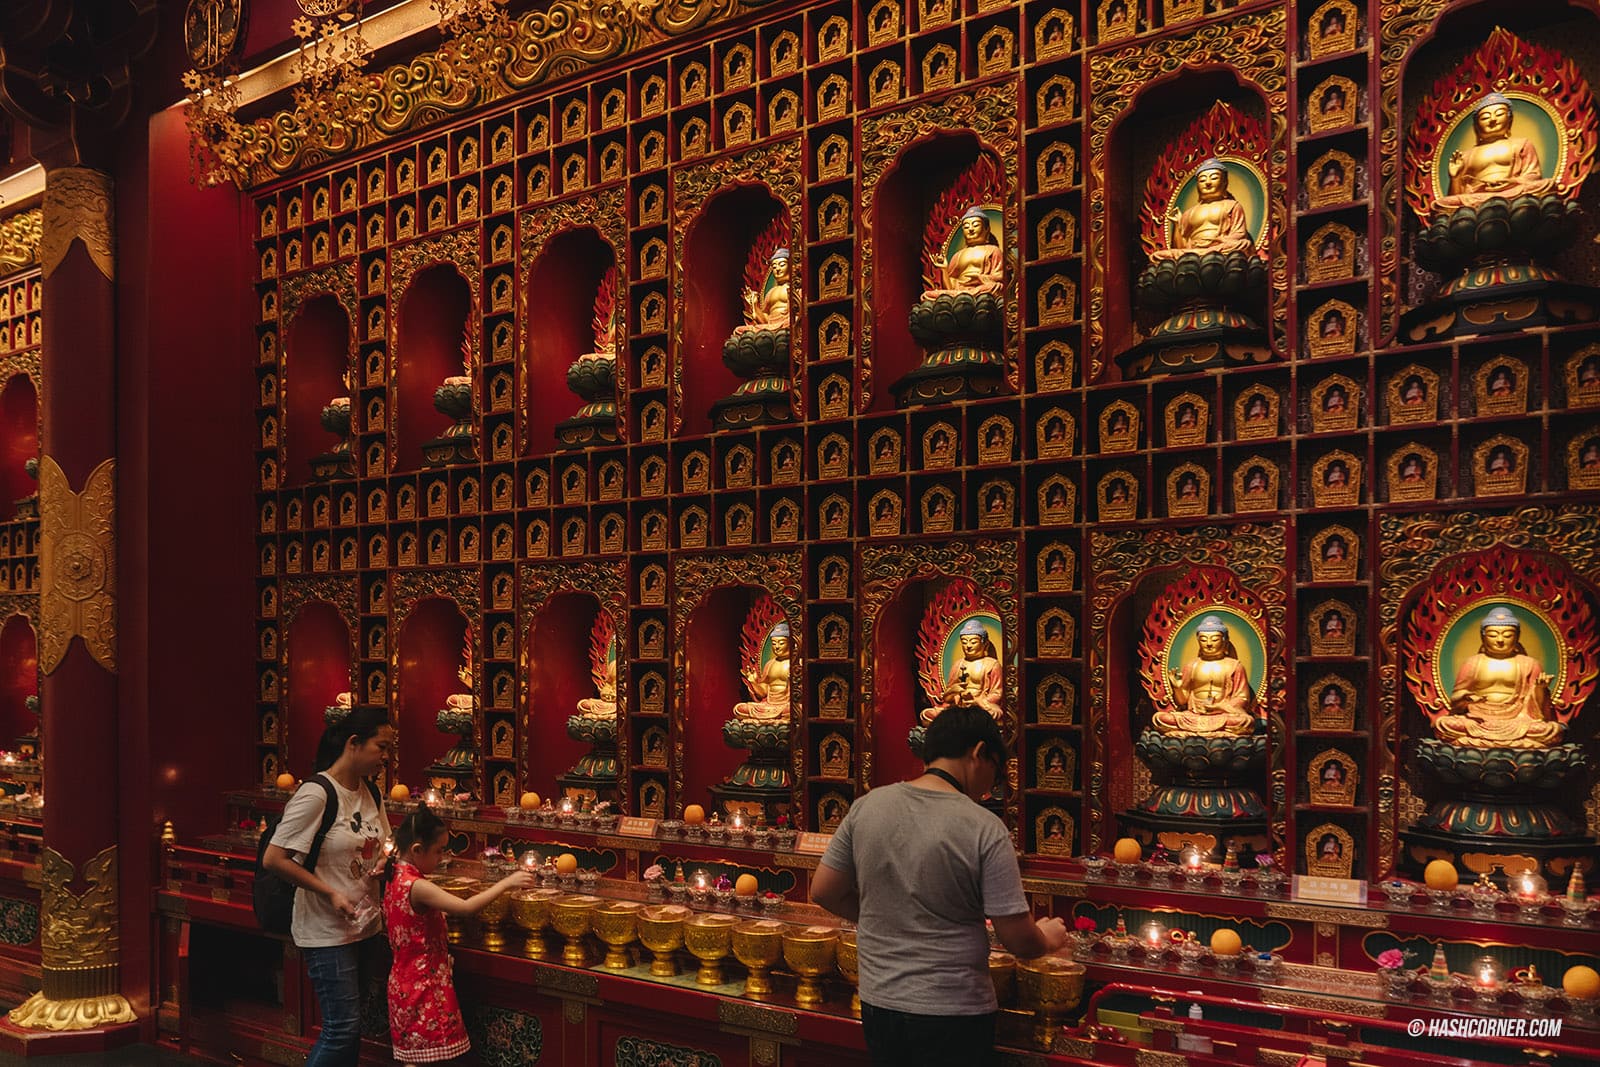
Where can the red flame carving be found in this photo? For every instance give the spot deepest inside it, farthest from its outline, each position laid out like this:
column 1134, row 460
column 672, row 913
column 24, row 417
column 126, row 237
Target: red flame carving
column 1222, row 131
column 764, row 615
column 756, row 268
column 1200, row 587
column 605, row 313
column 601, row 634
column 955, row 601
column 980, row 184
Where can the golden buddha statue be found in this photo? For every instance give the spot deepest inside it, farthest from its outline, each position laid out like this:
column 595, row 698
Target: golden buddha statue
column 1498, row 165
column 605, row 706
column 978, row 267
column 1215, row 223
column 771, row 686
column 463, row 701
column 1211, row 695
column 975, row 678
column 769, row 310
column 1501, row 698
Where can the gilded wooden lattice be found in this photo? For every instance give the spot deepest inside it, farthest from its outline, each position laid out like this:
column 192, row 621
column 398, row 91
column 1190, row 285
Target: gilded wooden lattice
column 1257, row 556
column 1253, row 47
column 990, row 113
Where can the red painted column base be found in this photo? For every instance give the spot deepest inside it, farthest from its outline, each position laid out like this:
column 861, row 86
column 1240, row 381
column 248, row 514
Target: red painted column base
column 27, row 1044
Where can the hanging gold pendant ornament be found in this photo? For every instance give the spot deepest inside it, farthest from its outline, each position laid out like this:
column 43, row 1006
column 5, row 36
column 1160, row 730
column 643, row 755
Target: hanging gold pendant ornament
column 79, row 949
column 212, row 30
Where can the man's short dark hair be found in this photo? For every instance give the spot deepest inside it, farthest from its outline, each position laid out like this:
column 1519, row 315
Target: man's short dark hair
column 957, row 729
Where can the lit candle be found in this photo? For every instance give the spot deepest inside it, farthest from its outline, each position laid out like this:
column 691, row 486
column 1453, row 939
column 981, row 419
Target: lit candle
column 530, row 860
column 1155, row 935
column 432, row 798
column 566, row 806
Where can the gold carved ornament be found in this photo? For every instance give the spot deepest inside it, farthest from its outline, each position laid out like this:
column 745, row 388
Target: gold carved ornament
column 1253, row 47
column 19, row 240
column 79, row 948
column 77, row 564
column 77, row 207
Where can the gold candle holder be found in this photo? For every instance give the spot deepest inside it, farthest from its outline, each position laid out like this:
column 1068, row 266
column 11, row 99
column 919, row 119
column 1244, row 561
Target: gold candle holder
column 530, row 909
column 661, row 930
column 758, row 944
column 1047, row 987
column 1003, row 973
column 571, row 916
column 809, row 953
column 845, row 957
column 616, row 923
column 456, row 887
column 709, row 937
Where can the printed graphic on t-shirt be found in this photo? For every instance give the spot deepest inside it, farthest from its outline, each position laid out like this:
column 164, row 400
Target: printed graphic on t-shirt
column 369, row 848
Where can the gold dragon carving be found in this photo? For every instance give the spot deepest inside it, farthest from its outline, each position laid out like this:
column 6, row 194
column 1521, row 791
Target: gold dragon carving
column 1253, row 47
column 77, row 564
column 19, row 240
column 77, row 207
column 79, row 948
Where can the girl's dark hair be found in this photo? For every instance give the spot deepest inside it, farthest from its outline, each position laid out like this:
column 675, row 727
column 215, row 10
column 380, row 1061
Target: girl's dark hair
column 360, row 724
column 421, row 827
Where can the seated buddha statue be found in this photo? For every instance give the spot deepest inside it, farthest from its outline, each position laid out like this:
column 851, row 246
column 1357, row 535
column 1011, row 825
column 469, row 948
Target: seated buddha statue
column 1214, row 223
column 1211, row 695
column 771, row 686
column 605, row 706
column 978, row 267
column 1498, row 165
column 1501, row 697
column 769, row 310
column 975, row 678
column 463, row 701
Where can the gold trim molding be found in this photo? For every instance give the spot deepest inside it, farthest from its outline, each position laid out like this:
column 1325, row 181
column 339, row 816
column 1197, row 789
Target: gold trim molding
column 19, row 240
column 77, row 564
column 1285, row 998
column 1335, row 916
column 77, row 207
column 553, row 41
column 79, row 948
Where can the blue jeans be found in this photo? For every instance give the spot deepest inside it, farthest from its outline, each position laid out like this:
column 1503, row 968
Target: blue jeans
column 900, row 1039
column 336, row 976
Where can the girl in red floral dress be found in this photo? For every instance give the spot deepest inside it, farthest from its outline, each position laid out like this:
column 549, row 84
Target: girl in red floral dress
column 424, row 1018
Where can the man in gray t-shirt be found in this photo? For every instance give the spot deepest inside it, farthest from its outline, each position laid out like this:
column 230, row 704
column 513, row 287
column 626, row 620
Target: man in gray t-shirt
column 918, row 866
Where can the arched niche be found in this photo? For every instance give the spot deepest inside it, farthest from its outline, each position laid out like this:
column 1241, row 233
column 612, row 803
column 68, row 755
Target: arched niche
column 432, row 326
column 558, row 677
column 317, row 654
column 561, row 293
column 900, row 210
column 19, row 439
column 713, row 684
column 1159, row 116
column 716, row 249
column 897, row 696
column 314, row 364
column 1127, row 706
column 430, row 646
column 19, row 680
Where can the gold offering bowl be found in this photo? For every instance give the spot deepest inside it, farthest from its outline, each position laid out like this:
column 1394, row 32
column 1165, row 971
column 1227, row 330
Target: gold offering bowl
column 758, row 944
column 1003, row 973
column 1047, row 987
column 709, row 937
column 456, row 887
column 617, row 924
column 845, row 957
column 491, row 918
column 571, row 916
column 530, row 908
column 809, row 951
column 661, row 930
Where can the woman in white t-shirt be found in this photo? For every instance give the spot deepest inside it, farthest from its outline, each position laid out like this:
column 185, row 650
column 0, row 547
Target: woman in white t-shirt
column 336, row 907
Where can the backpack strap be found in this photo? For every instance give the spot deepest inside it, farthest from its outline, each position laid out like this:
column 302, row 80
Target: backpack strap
column 330, row 811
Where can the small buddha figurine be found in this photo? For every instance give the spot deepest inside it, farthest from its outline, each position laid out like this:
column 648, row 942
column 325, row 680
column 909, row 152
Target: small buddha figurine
column 1211, row 695
column 771, row 686
column 975, row 678
column 605, row 706
column 1215, row 223
column 1501, row 698
column 769, row 310
column 1498, row 165
column 978, row 267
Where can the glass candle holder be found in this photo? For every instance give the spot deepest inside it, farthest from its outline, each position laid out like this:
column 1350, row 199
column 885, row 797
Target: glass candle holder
column 1153, row 937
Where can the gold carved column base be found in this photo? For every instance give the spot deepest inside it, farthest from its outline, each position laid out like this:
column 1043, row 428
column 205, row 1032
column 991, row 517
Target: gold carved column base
column 44, row 1012
column 78, row 947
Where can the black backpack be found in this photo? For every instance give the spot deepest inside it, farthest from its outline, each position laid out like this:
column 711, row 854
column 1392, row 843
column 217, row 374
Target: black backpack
column 272, row 898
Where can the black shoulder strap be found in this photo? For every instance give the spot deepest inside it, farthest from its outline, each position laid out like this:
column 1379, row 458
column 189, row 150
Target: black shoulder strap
column 377, row 797
column 330, row 811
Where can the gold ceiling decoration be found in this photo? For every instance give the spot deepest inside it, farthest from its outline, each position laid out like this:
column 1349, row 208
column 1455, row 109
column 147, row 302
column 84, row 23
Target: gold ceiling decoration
column 339, row 107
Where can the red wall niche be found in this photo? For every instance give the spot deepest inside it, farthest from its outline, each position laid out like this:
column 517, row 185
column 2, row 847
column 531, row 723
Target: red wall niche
column 900, row 212
column 314, row 364
column 558, row 677
column 19, row 440
column 712, row 686
column 715, row 252
column 430, row 655
column 317, row 652
column 561, row 292
column 897, row 697
column 433, row 323
column 19, row 680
